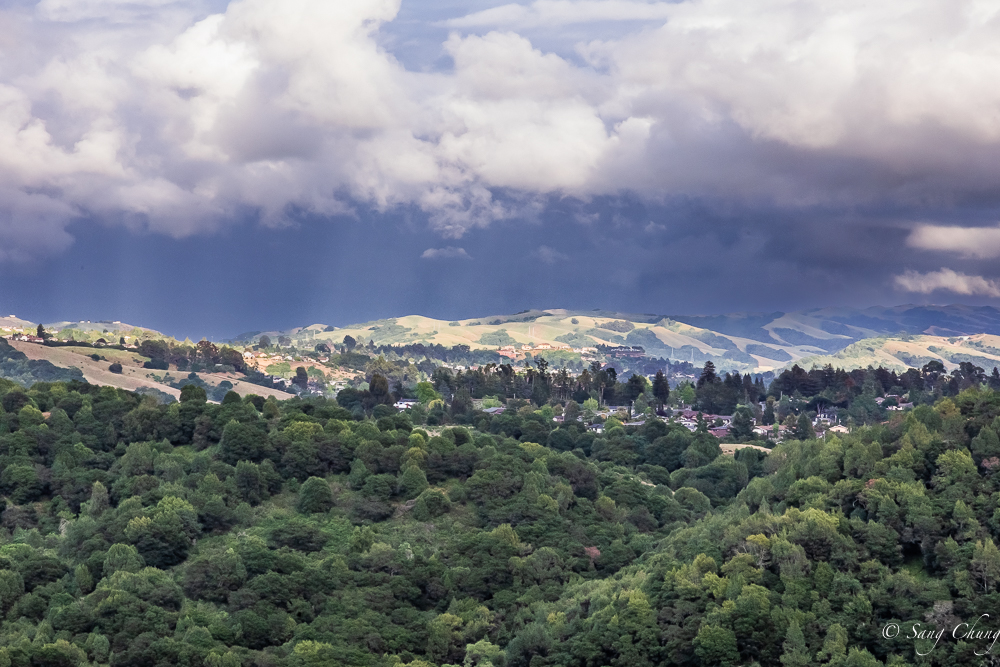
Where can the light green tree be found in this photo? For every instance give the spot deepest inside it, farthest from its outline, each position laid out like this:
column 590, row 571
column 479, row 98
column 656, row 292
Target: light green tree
column 795, row 653
column 985, row 564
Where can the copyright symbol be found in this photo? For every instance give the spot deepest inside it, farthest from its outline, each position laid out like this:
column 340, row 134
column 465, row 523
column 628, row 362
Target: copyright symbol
column 890, row 630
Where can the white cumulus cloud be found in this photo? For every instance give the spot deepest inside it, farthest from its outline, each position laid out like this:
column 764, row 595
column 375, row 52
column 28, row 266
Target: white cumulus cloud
column 549, row 13
column 449, row 252
column 948, row 281
column 550, row 255
column 978, row 242
column 166, row 116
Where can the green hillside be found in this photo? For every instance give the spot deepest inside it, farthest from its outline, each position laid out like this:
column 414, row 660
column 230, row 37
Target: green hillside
column 302, row 534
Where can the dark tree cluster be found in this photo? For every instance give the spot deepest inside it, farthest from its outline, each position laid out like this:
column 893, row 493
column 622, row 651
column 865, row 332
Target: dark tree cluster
column 203, row 355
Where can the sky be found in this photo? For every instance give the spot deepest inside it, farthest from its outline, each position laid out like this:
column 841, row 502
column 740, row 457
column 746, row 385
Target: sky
column 207, row 168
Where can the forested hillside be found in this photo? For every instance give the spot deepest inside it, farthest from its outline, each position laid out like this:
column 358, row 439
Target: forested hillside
column 265, row 533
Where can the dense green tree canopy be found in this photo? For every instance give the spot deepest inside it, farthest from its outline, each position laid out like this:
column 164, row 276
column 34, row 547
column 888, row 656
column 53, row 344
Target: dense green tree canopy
column 307, row 532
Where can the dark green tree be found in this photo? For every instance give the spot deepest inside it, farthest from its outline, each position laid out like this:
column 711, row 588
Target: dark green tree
column 803, row 428
column 301, row 378
column 192, row 393
column 634, row 387
column 242, row 442
column 249, row 483
column 742, row 425
column 708, row 375
column 379, row 388
column 661, row 389
column 768, row 417
column 315, row 496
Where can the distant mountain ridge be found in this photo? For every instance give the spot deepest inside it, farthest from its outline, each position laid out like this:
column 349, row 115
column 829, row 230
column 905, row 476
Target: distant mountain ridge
column 856, row 324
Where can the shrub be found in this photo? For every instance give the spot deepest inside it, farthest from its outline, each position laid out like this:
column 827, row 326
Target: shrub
column 431, row 504
column 115, row 368
column 412, row 482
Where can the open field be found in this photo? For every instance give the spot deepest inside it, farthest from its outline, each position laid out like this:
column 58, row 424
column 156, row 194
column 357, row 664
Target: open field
column 900, row 353
column 133, row 375
column 121, row 356
column 243, row 388
column 731, row 448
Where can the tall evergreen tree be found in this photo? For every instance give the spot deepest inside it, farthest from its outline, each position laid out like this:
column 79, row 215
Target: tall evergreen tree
column 768, row 417
column 742, row 424
column 661, row 389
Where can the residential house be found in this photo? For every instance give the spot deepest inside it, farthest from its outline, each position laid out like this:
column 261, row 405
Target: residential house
column 627, row 352
column 825, row 418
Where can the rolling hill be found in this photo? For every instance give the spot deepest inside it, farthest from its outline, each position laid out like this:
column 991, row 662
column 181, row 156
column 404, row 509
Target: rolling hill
column 897, row 336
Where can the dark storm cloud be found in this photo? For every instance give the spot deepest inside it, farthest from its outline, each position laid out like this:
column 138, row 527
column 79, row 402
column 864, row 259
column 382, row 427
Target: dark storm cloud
column 680, row 257
column 690, row 156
